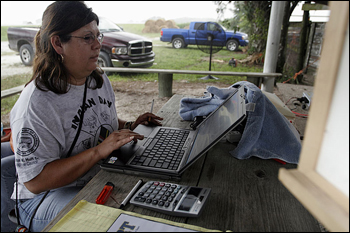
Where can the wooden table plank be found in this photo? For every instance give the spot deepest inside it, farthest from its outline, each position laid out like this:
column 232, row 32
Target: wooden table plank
column 247, row 195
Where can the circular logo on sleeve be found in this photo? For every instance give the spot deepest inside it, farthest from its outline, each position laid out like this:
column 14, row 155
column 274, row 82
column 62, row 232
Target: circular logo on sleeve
column 28, row 142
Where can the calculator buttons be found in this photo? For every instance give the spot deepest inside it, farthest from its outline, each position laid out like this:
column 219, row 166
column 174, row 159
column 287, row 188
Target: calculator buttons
column 154, row 202
column 160, row 194
column 140, row 199
column 161, row 203
column 173, row 199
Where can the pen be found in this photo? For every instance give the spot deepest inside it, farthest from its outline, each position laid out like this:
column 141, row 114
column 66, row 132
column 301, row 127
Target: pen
column 132, row 192
column 105, row 193
column 149, row 118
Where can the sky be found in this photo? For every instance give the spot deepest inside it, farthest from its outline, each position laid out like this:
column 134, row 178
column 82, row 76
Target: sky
column 121, row 12
column 15, row 13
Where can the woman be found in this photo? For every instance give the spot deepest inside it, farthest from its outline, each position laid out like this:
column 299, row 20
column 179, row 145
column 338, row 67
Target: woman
column 48, row 115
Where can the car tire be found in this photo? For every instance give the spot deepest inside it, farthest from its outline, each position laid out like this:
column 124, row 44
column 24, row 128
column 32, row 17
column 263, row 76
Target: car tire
column 178, row 43
column 104, row 61
column 26, row 53
column 232, row 45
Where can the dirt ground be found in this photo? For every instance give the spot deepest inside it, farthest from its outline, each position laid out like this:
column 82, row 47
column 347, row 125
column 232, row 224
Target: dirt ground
column 135, row 97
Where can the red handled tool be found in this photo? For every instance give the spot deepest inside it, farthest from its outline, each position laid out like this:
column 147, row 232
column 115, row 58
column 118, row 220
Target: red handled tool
column 105, row 193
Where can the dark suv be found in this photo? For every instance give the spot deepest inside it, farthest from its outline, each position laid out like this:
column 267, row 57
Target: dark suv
column 124, row 49
column 119, row 48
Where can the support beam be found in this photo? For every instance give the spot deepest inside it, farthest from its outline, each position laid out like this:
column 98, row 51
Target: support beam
column 165, row 85
column 272, row 45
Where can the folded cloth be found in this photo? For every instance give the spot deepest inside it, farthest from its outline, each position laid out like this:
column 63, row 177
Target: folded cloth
column 221, row 93
column 202, row 106
column 267, row 133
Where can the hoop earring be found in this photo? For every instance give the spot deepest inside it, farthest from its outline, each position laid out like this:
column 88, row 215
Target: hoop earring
column 62, row 58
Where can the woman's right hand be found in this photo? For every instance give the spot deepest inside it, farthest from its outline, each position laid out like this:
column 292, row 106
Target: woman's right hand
column 116, row 140
column 62, row 172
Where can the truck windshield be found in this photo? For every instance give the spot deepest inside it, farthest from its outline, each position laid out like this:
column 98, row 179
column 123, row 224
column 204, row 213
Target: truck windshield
column 223, row 27
column 107, row 25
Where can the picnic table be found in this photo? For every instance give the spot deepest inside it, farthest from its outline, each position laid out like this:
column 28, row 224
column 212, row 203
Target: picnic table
column 246, row 195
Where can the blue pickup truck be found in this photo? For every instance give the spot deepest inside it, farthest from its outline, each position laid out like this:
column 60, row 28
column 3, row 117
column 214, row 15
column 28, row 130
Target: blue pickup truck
column 180, row 38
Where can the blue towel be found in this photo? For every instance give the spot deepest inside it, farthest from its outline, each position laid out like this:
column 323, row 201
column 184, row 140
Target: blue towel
column 267, row 133
column 202, row 106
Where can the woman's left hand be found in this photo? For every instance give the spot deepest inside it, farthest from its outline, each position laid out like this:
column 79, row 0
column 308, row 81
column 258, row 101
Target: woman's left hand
column 147, row 119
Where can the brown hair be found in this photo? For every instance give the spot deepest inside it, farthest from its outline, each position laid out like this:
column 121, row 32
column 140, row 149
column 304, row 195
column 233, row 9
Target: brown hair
column 59, row 18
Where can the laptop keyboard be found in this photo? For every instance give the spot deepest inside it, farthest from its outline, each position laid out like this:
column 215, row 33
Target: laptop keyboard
column 164, row 151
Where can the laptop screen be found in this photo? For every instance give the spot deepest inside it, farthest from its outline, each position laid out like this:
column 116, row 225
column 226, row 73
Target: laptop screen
column 215, row 126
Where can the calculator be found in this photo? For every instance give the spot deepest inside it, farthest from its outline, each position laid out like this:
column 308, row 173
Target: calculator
column 172, row 199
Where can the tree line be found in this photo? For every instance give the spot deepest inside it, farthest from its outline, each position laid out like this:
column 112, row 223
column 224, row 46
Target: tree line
column 252, row 17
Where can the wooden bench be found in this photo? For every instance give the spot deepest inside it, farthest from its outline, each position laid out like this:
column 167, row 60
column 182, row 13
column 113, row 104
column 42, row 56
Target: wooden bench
column 11, row 91
column 165, row 78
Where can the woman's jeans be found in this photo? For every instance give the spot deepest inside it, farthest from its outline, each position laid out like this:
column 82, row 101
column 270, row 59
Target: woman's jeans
column 49, row 208
column 8, row 178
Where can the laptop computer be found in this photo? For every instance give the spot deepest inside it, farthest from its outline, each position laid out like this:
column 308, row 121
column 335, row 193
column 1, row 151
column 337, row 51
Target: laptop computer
column 167, row 152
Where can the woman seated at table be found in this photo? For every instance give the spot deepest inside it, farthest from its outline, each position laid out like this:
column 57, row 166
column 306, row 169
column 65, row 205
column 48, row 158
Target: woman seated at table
column 68, row 91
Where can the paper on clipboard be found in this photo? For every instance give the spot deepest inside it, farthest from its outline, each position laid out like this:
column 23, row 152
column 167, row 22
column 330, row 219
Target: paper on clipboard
column 136, row 224
column 86, row 216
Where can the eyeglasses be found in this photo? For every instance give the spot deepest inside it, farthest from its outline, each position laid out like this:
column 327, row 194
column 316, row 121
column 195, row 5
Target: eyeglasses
column 89, row 39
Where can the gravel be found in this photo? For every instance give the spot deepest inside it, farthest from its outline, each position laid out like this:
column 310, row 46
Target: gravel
column 11, row 63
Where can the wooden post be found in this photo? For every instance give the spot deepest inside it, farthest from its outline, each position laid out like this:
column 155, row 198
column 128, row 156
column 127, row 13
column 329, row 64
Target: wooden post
column 303, row 43
column 165, row 84
column 309, row 46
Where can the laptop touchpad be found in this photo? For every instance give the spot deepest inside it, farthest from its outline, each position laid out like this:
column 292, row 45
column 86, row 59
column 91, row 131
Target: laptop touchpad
column 125, row 152
column 128, row 150
column 144, row 130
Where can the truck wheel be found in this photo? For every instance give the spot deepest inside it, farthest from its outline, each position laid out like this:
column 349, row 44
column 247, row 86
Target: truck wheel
column 104, row 61
column 178, row 43
column 27, row 54
column 232, row 45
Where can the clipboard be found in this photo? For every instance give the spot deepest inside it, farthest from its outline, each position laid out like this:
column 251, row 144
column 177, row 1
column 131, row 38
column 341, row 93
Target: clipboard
column 86, row 216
